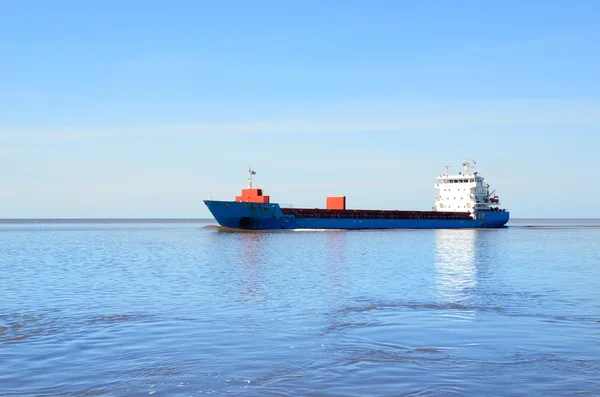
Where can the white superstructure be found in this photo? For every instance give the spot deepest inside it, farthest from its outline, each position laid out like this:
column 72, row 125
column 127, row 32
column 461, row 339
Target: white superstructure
column 464, row 192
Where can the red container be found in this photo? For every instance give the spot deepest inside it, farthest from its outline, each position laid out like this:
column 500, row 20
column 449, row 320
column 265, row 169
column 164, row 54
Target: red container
column 336, row 203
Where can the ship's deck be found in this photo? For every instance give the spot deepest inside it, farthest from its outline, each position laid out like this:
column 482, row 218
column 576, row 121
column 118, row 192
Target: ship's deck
column 373, row 214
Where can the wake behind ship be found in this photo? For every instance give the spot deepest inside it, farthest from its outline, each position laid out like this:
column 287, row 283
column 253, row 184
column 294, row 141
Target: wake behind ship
column 464, row 200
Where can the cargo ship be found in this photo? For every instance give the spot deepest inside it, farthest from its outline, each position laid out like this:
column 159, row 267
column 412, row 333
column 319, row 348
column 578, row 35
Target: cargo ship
column 463, row 200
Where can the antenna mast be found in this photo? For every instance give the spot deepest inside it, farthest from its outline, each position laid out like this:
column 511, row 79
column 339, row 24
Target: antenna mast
column 467, row 165
column 250, row 173
column 446, row 167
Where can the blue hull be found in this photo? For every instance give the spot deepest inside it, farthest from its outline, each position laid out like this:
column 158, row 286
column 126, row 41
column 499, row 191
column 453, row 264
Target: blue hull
column 254, row 216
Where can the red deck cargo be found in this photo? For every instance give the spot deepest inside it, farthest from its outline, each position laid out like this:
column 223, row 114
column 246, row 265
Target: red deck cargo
column 336, row 203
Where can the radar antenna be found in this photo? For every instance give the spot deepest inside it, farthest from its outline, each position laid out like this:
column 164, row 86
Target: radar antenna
column 250, row 173
column 468, row 164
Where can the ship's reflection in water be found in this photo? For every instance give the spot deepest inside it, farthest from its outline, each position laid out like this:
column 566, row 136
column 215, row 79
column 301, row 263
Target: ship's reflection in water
column 252, row 262
column 335, row 258
column 456, row 272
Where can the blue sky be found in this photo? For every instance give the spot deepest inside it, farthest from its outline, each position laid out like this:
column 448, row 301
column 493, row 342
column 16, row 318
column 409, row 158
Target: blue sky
column 139, row 109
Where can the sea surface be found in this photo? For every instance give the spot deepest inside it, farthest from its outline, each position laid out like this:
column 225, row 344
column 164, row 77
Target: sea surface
column 183, row 308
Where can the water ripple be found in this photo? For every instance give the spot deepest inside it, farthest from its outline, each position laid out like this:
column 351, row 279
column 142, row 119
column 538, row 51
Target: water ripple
column 184, row 309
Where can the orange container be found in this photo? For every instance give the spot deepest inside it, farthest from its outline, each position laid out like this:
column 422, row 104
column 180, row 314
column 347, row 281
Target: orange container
column 336, row 203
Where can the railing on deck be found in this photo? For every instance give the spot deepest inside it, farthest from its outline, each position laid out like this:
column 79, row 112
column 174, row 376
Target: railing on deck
column 373, row 214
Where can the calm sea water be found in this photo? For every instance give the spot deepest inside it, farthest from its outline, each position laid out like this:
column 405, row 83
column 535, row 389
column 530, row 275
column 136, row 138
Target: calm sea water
column 184, row 309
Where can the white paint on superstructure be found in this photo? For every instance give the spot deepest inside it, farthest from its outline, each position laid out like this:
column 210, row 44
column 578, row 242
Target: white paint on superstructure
column 464, row 192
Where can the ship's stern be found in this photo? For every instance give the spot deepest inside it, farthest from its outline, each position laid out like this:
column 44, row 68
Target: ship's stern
column 495, row 218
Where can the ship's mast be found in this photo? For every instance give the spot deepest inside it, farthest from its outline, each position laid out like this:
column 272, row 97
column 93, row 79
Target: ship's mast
column 447, row 167
column 250, row 173
column 467, row 165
